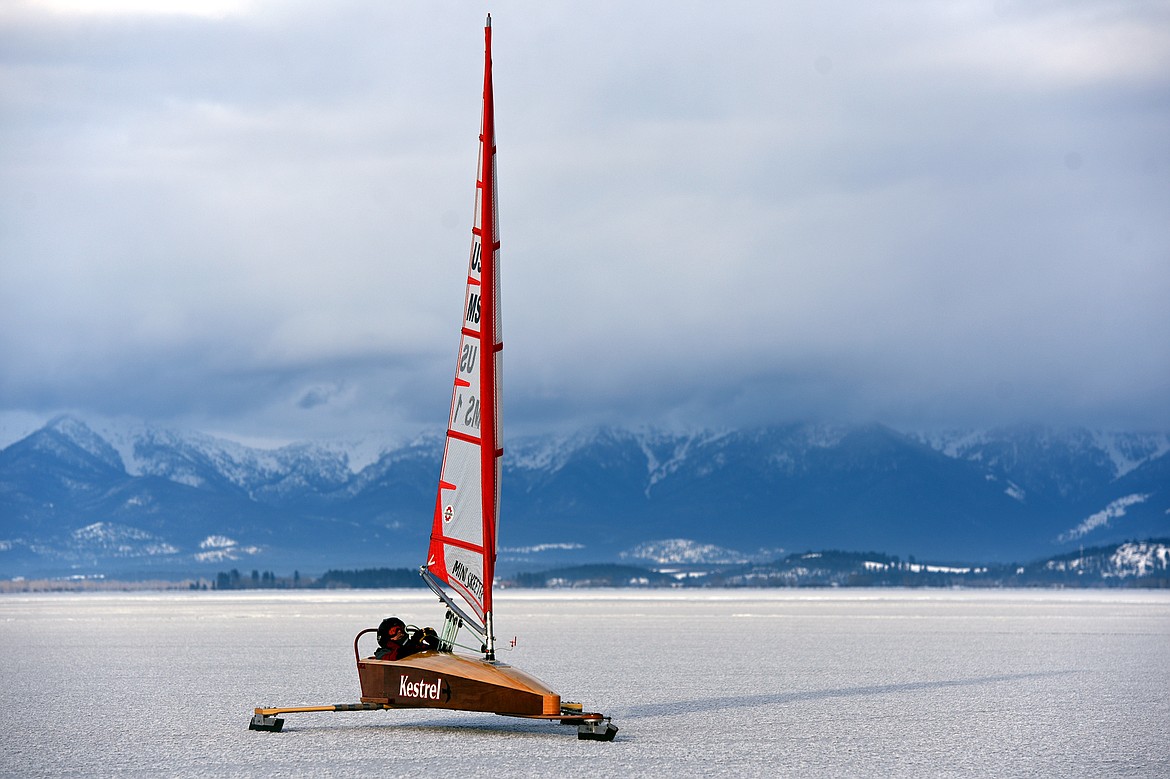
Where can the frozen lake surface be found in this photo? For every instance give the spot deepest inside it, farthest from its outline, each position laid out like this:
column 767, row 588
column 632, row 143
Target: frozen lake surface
column 701, row 683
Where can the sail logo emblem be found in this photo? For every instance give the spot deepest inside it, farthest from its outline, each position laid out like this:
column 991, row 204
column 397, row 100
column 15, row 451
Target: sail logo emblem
column 448, row 513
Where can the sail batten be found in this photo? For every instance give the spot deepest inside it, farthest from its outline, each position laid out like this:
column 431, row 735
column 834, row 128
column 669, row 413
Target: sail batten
column 462, row 551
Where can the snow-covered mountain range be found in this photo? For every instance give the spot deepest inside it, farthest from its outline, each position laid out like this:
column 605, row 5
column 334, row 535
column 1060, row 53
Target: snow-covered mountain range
column 92, row 497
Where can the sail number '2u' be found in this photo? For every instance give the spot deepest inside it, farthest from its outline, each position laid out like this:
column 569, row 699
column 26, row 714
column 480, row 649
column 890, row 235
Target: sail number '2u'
column 471, row 416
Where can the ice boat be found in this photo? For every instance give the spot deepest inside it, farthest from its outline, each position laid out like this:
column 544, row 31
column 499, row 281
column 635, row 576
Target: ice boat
column 464, row 529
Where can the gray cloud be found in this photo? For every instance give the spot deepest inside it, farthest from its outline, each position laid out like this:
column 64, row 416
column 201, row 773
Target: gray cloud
column 913, row 213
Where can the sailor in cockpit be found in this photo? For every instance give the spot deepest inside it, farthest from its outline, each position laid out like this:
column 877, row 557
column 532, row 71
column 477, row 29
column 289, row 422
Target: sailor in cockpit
column 394, row 643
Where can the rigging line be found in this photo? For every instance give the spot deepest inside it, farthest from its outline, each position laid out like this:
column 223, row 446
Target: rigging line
column 476, row 649
column 436, row 586
column 415, row 628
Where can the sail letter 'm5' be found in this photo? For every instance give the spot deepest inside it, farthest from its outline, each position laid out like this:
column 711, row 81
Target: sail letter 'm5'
column 463, row 534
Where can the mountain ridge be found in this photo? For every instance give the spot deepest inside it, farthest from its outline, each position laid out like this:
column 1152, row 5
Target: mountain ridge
column 72, row 498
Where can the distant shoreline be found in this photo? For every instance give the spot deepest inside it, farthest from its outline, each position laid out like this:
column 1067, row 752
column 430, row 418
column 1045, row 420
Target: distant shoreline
column 1128, row 565
column 97, row 585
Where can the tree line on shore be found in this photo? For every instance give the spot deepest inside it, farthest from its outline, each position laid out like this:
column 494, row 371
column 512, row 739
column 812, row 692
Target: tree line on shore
column 1133, row 564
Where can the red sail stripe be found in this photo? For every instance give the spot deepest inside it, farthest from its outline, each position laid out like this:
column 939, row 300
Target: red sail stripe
column 449, row 541
column 464, row 437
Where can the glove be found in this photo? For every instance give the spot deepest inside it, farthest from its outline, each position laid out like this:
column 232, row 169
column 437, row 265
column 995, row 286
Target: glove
column 429, row 637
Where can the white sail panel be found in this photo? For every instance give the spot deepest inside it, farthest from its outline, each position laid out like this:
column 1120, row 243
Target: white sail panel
column 460, row 497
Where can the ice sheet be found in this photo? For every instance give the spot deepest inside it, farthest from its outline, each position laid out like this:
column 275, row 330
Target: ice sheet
column 711, row 683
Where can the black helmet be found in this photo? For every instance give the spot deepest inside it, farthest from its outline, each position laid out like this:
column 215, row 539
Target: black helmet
column 384, row 629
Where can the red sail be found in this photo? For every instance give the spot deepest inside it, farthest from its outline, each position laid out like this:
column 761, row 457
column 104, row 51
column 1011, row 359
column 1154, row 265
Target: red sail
column 463, row 533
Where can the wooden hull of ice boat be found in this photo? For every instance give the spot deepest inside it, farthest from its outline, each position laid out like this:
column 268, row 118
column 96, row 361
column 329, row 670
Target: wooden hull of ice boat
column 441, row 680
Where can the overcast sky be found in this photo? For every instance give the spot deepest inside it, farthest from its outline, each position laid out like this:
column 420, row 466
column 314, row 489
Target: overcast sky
column 253, row 219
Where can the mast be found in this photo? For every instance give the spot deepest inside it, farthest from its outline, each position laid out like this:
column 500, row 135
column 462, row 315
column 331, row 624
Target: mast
column 491, row 345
